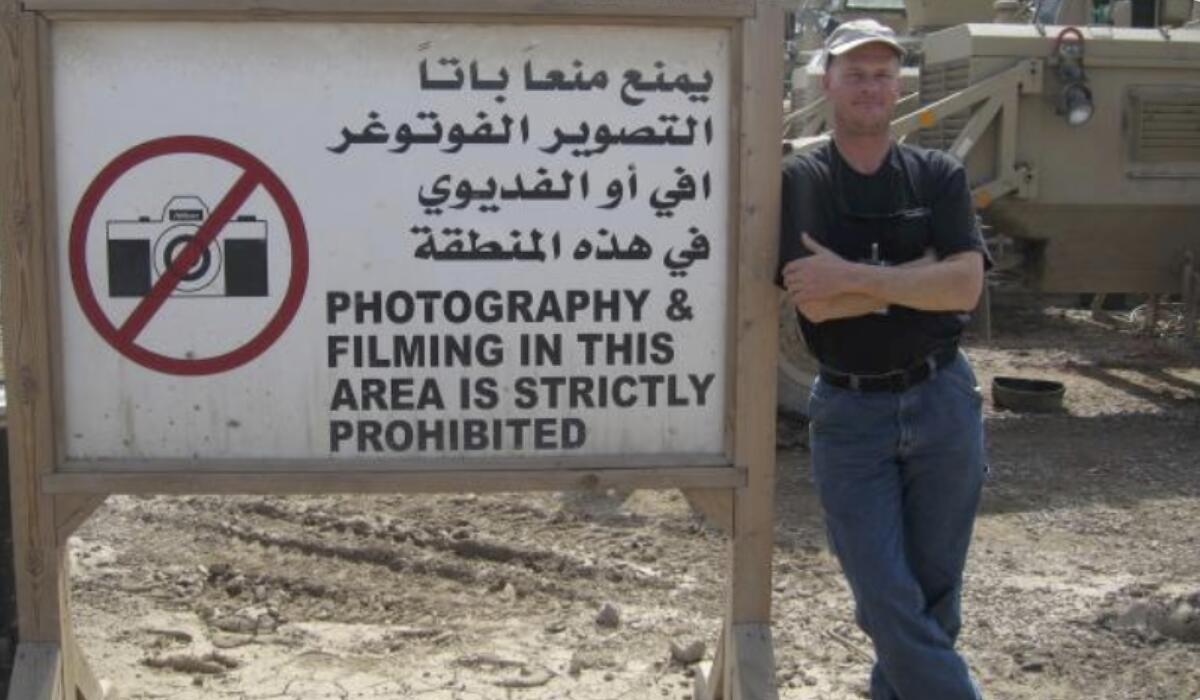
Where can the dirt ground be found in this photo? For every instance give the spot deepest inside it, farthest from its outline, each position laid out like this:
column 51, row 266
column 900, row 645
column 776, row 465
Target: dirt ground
column 1083, row 581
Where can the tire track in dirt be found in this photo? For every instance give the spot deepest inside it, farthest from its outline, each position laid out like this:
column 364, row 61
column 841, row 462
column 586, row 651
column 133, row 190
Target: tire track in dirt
column 437, row 550
column 459, row 542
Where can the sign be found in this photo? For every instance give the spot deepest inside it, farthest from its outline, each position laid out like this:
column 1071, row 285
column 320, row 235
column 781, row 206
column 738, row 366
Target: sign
column 514, row 242
column 179, row 255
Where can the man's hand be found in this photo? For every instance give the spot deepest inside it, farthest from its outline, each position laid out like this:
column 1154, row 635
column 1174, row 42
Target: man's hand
column 821, row 275
column 813, row 286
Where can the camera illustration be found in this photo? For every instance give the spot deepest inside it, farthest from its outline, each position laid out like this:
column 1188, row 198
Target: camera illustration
column 141, row 251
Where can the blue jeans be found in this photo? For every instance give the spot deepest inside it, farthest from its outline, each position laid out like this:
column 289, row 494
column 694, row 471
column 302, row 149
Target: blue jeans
column 899, row 476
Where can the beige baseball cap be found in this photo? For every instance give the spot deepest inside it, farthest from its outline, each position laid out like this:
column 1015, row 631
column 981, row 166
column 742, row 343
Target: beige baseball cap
column 859, row 32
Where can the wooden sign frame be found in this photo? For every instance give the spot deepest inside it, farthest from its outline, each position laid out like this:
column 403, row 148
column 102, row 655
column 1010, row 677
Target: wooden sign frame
column 53, row 496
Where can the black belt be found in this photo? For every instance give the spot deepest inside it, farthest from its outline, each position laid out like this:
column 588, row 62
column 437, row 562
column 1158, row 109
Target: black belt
column 894, row 381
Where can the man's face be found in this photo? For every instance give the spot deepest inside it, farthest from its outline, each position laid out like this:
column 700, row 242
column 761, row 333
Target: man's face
column 863, row 86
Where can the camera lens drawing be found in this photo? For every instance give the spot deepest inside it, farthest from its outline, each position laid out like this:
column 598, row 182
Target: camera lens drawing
column 199, row 276
column 141, row 251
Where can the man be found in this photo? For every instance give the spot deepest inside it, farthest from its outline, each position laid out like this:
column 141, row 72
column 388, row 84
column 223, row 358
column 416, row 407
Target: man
column 884, row 259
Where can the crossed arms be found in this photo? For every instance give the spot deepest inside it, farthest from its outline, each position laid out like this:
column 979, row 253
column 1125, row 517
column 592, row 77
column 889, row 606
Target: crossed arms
column 824, row 286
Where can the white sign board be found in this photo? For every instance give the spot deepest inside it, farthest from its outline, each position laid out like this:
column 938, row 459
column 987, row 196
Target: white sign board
column 391, row 241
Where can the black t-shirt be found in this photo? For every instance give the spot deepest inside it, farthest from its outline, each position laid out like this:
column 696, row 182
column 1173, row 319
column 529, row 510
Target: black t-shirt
column 918, row 199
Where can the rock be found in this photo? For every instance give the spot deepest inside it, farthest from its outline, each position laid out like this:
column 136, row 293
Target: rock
column 1182, row 623
column 174, row 635
column 223, row 640
column 488, row 661
column 689, row 654
column 609, row 616
column 239, row 624
column 527, row 679
column 1137, row 616
column 359, row 525
column 1034, row 661
column 267, row 624
column 584, row 659
column 211, row 663
column 235, row 586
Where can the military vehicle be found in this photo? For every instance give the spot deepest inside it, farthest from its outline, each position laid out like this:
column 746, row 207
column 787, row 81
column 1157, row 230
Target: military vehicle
column 1082, row 143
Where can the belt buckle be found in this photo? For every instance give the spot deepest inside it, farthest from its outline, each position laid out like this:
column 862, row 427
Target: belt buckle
column 904, row 379
column 919, row 373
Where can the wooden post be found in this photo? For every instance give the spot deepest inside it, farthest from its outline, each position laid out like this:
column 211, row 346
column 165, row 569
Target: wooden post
column 37, row 672
column 45, row 667
column 30, row 411
column 38, row 668
column 749, row 672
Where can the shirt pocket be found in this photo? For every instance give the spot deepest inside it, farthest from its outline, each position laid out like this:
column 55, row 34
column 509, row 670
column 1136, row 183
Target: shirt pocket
column 910, row 236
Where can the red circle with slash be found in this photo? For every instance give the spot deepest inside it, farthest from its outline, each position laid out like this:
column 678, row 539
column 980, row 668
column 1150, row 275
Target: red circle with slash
column 254, row 174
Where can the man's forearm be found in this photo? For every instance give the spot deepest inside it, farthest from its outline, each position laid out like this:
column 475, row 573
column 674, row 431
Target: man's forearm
column 840, row 306
column 953, row 284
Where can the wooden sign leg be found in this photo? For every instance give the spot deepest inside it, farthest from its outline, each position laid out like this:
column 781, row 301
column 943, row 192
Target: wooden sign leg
column 37, row 672
column 751, row 662
column 49, row 662
column 749, row 659
column 38, row 558
column 48, row 665
column 743, row 667
column 749, row 654
column 40, row 580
